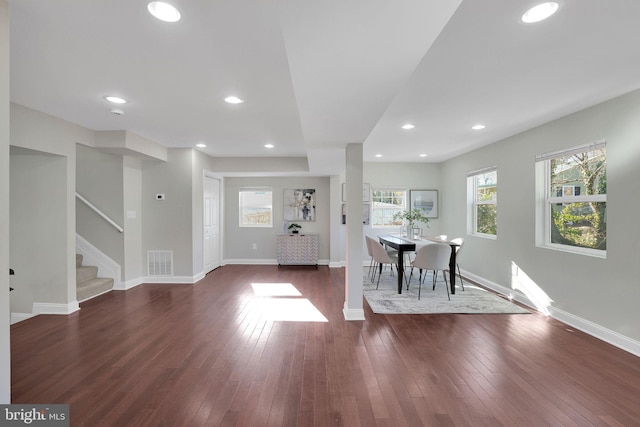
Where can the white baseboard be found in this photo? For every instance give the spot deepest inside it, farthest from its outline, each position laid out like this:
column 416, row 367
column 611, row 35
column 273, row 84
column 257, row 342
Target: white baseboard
column 173, row 280
column 264, row 261
column 93, row 296
column 52, row 308
column 19, row 317
column 250, row 261
column 351, row 314
column 129, row 284
column 169, row 280
column 508, row 292
column 94, row 256
column 607, row 335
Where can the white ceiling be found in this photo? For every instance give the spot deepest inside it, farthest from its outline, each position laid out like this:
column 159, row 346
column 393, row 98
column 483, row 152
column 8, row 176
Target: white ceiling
column 317, row 75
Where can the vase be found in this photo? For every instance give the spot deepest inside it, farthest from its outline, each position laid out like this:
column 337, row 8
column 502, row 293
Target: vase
column 416, row 233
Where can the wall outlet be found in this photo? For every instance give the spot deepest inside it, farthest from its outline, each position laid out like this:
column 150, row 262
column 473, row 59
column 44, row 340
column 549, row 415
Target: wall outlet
column 254, row 246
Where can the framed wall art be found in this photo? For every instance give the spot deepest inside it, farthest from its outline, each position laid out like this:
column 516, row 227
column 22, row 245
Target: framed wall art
column 425, row 200
column 300, row 204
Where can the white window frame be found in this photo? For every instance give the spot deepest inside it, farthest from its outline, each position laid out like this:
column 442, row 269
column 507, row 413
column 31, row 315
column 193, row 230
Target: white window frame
column 473, row 203
column 545, row 200
column 240, row 206
column 373, row 208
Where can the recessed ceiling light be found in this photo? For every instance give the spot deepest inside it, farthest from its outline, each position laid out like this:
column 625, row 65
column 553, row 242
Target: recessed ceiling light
column 423, row 155
column 378, row 155
column 268, row 145
column 540, row 12
column 478, row 127
column 115, row 99
column 233, row 100
column 407, row 126
column 201, row 145
column 163, row 11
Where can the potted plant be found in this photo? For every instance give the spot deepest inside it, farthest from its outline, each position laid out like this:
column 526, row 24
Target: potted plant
column 294, row 228
column 411, row 218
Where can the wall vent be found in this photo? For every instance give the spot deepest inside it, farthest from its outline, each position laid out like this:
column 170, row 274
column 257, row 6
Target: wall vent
column 159, row 263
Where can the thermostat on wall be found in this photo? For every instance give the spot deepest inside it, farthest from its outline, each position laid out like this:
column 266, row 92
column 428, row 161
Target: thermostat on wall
column 159, row 196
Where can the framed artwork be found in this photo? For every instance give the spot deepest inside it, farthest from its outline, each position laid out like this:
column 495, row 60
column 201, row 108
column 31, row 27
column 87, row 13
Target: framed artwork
column 366, row 192
column 366, row 209
column 300, row 205
column 425, row 200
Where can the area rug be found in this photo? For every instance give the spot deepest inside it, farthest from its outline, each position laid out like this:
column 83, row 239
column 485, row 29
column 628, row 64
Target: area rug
column 473, row 300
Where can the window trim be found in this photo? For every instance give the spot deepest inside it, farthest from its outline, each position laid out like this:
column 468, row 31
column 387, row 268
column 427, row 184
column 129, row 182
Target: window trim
column 373, row 209
column 473, row 203
column 544, row 200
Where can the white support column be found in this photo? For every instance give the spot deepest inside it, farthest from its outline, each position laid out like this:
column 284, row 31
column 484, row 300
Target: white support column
column 353, row 305
column 336, row 230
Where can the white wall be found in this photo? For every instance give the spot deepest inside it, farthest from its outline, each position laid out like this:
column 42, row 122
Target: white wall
column 132, row 207
column 167, row 224
column 40, row 132
column 601, row 294
column 38, row 229
column 239, row 240
column 407, row 176
column 5, row 342
column 99, row 179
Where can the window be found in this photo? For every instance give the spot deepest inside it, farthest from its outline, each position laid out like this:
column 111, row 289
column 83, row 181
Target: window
column 255, row 207
column 482, row 202
column 572, row 199
column 386, row 202
column 569, row 190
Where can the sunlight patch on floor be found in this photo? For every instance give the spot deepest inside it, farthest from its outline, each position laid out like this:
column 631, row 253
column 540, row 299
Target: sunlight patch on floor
column 275, row 290
column 522, row 282
column 290, row 310
column 273, row 305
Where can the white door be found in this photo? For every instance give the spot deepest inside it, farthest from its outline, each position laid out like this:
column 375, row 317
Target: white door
column 211, row 224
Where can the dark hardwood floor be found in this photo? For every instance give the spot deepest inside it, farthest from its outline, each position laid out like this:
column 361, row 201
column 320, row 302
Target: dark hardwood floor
column 210, row 355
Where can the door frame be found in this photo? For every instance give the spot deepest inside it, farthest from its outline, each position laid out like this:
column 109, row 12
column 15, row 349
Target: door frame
column 208, row 174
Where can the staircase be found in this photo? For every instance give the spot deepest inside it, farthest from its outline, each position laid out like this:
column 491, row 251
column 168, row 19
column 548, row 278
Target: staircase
column 88, row 285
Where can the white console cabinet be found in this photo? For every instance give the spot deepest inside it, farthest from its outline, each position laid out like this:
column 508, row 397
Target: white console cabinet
column 297, row 249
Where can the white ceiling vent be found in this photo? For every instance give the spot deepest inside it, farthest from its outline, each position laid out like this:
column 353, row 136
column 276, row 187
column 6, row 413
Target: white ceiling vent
column 159, row 263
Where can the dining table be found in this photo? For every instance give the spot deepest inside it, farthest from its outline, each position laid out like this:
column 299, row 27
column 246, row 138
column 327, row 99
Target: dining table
column 406, row 244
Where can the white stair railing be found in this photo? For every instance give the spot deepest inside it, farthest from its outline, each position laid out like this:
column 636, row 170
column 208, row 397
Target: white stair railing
column 99, row 212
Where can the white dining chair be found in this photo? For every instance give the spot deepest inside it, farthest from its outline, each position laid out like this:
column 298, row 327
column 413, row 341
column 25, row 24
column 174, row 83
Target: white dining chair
column 434, row 257
column 381, row 257
column 370, row 241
